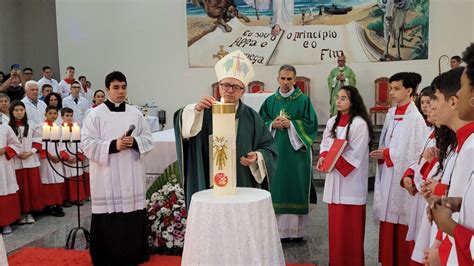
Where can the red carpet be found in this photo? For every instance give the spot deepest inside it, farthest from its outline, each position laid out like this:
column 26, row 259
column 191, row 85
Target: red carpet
column 60, row 257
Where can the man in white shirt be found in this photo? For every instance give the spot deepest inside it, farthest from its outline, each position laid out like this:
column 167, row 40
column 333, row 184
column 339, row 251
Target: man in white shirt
column 35, row 109
column 65, row 84
column 76, row 102
column 48, row 79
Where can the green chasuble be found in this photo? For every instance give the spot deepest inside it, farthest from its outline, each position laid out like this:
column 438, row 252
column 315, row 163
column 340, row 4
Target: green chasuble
column 334, row 85
column 292, row 183
column 193, row 153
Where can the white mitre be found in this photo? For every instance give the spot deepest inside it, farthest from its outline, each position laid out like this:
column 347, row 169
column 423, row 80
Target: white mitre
column 235, row 65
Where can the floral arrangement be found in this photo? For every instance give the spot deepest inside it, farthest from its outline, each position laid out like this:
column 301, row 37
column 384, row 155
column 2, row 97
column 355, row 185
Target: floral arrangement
column 166, row 213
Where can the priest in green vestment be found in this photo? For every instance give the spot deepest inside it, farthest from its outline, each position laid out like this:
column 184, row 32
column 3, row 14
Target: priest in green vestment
column 340, row 76
column 255, row 148
column 289, row 116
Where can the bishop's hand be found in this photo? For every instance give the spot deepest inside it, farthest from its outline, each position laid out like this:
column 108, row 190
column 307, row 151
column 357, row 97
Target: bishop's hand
column 249, row 159
column 205, row 103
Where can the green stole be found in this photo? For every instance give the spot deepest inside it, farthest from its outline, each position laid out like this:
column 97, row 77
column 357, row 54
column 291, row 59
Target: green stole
column 193, row 153
column 290, row 187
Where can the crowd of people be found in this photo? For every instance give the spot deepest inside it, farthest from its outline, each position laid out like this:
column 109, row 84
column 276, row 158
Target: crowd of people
column 423, row 198
column 29, row 184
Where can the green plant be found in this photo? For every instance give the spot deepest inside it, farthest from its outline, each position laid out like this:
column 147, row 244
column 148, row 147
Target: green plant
column 170, row 175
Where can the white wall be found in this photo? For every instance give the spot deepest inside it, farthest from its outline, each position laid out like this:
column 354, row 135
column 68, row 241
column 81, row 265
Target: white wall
column 28, row 35
column 146, row 39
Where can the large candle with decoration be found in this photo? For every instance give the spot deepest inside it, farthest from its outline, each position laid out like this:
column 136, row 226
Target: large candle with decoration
column 223, row 149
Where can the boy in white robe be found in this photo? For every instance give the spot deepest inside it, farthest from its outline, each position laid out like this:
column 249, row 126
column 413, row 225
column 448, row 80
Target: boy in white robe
column 117, row 178
column 400, row 144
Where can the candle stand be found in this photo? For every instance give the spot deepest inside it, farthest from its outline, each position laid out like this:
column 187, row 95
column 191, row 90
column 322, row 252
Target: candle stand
column 71, row 238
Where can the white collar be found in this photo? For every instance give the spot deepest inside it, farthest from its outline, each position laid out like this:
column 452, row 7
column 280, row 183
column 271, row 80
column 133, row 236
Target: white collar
column 115, row 104
column 286, row 94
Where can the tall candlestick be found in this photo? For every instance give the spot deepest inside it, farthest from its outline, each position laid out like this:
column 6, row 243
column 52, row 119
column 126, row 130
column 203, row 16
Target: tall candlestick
column 46, row 131
column 76, row 132
column 66, row 133
column 54, row 132
column 224, row 149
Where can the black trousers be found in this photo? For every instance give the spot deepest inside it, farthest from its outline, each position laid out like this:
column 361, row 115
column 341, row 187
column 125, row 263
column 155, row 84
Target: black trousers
column 119, row 239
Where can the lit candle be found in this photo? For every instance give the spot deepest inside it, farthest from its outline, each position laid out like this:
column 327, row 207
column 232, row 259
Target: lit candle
column 76, row 132
column 66, row 133
column 46, row 131
column 224, row 149
column 54, row 132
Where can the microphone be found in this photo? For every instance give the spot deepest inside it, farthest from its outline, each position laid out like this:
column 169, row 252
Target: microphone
column 130, row 130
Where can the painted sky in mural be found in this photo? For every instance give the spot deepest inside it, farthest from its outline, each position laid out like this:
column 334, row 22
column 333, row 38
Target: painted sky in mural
column 312, row 31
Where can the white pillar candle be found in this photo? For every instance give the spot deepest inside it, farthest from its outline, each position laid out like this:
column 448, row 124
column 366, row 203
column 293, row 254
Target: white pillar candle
column 76, row 132
column 66, row 133
column 54, row 132
column 46, row 131
column 224, row 149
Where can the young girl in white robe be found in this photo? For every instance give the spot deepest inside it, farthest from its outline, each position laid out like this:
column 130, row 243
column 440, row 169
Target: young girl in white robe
column 345, row 188
column 400, row 144
column 27, row 163
column 9, row 200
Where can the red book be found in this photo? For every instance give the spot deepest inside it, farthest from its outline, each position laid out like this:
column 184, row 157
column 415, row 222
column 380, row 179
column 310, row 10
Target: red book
column 333, row 154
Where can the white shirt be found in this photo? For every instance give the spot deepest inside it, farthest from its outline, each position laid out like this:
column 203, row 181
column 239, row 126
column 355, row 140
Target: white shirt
column 65, row 88
column 79, row 108
column 54, row 83
column 34, row 112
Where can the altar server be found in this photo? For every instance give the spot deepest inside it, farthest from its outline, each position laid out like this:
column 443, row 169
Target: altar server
column 53, row 182
column 27, row 162
column 345, row 189
column 9, row 201
column 401, row 142
column 117, row 177
column 457, row 247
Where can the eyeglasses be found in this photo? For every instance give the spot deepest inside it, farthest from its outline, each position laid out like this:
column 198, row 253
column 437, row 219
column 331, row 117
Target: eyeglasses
column 227, row 86
column 75, row 87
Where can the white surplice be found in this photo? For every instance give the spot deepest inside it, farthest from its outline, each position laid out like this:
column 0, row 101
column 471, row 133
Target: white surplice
column 466, row 218
column 8, row 183
column 48, row 175
column 34, row 136
column 461, row 182
column 427, row 231
column 117, row 180
column 351, row 189
column 404, row 139
column 419, row 203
